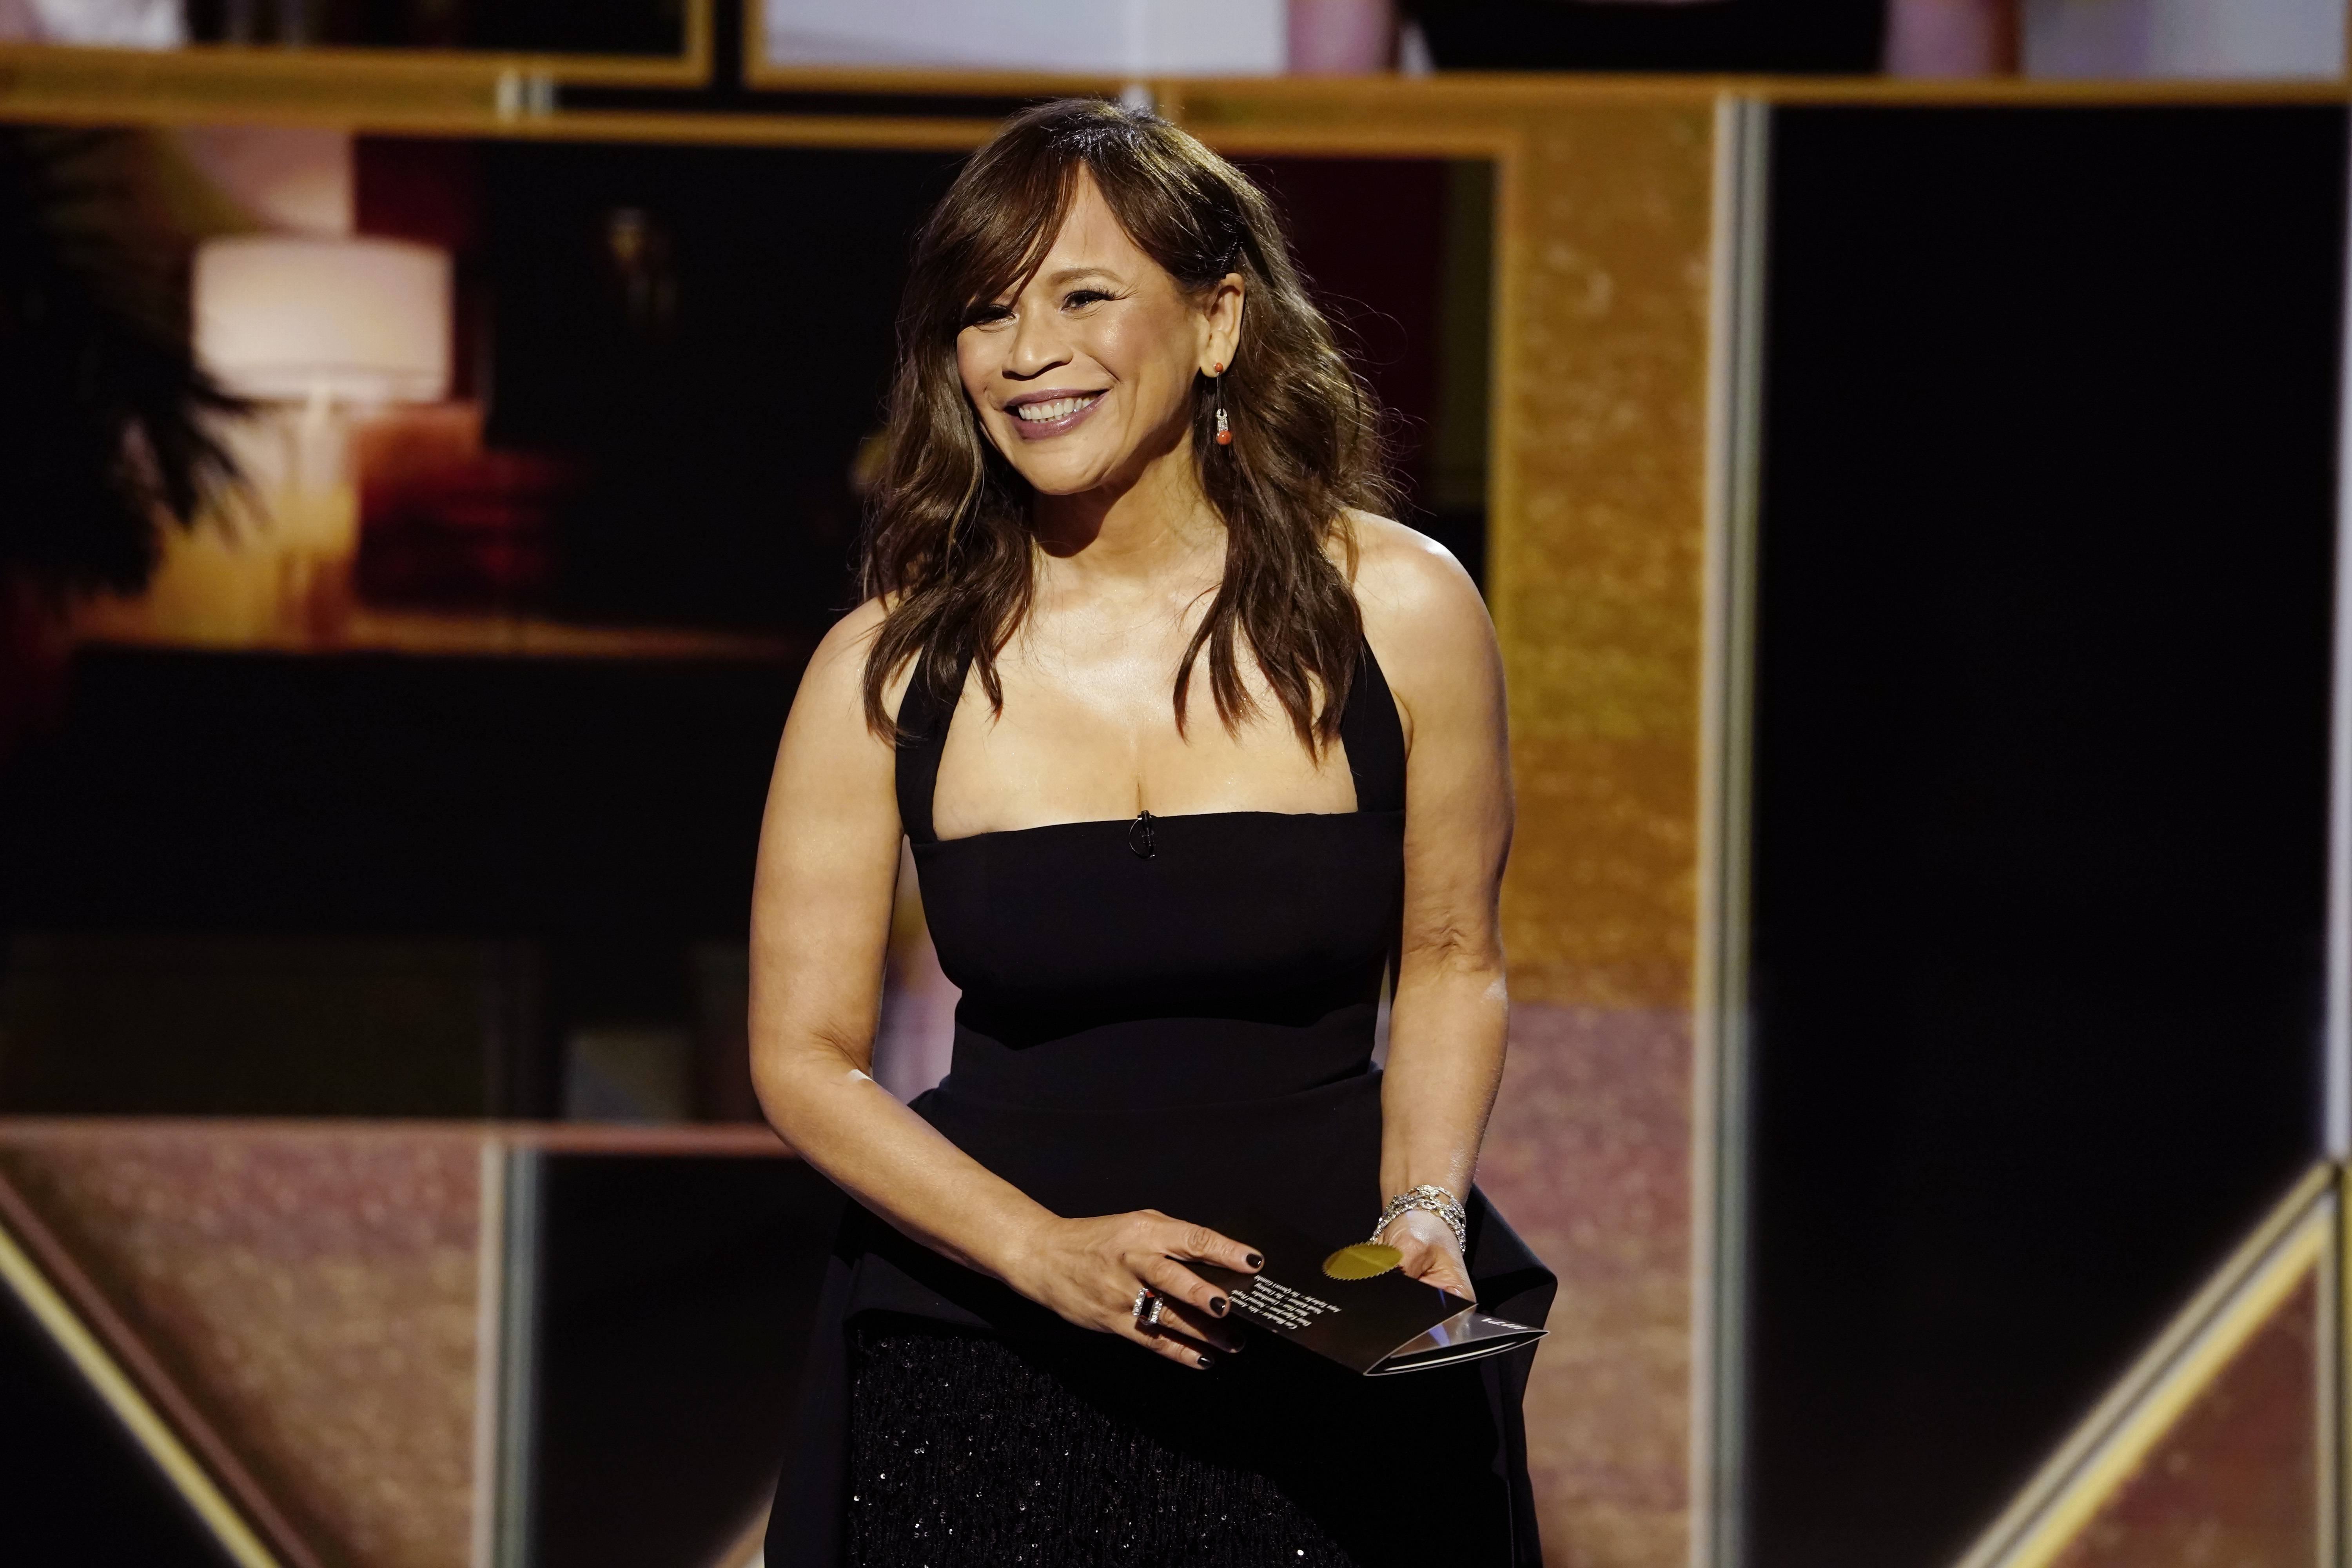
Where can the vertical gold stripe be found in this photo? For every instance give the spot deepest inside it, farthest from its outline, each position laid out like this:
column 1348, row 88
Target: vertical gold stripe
column 489, row 1332
column 1719, row 1038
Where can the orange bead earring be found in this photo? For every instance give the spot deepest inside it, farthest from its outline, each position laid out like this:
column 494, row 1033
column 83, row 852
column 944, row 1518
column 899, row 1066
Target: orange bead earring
column 1224, row 431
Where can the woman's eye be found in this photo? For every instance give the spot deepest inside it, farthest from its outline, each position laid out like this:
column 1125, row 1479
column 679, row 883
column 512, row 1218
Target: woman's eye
column 1071, row 301
column 987, row 316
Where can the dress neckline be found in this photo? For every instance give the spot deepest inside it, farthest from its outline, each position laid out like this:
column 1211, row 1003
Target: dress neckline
column 1370, row 733
column 1128, row 822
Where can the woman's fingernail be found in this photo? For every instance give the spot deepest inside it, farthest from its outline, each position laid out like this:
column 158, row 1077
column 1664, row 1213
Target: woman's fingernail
column 1217, row 1304
column 1207, row 1361
column 1254, row 1260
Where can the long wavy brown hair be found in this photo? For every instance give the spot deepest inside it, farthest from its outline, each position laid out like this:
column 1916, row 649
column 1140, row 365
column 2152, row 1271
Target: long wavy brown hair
column 948, row 548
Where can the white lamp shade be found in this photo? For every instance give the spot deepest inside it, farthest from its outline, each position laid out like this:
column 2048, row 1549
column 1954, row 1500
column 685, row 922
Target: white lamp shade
column 295, row 317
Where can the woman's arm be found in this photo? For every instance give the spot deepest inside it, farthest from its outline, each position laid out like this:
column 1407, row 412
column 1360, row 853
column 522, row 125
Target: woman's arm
column 1450, row 1007
column 820, row 924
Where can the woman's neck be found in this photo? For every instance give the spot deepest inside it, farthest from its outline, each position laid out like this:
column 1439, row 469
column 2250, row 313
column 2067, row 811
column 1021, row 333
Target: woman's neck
column 1138, row 529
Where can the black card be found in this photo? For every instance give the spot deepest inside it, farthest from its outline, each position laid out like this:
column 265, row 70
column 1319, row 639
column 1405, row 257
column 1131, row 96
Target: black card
column 1377, row 1326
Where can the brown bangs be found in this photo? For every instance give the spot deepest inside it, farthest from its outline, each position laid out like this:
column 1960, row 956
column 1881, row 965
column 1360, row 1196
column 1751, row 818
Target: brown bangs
column 1006, row 253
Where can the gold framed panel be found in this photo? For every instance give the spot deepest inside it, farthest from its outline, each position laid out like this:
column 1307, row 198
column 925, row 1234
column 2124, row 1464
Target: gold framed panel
column 81, row 84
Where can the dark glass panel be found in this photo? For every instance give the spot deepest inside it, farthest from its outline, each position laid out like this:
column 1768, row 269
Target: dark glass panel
column 650, row 28
column 1793, row 35
column 2041, row 774
column 678, row 1296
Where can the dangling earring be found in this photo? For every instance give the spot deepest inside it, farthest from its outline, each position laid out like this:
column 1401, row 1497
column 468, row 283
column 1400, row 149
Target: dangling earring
column 1224, row 431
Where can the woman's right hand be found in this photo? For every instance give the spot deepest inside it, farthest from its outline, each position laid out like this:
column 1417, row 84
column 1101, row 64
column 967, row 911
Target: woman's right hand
column 1089, row 1270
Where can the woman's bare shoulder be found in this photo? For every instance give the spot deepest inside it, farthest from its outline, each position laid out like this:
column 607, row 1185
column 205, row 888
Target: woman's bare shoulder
column 1416, row 598
column 835, row 679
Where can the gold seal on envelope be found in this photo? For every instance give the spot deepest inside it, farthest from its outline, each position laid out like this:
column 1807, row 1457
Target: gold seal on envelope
column 1364, row 1260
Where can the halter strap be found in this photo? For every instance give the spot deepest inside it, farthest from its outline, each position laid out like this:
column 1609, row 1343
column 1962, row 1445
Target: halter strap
column 1374, row 736
column 923, row 722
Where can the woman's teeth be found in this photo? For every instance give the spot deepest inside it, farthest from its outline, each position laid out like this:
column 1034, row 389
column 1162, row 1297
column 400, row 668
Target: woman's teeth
column 1046, row 413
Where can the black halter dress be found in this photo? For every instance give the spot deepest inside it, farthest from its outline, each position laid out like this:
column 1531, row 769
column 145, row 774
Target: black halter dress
column 1172, row 1013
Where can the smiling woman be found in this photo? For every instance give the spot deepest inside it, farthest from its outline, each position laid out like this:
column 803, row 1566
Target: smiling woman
column 1170, row 907
column 1095, row 296
column 1075, row 266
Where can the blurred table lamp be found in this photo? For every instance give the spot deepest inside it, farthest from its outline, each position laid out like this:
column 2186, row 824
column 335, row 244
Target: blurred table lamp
column 317, row 329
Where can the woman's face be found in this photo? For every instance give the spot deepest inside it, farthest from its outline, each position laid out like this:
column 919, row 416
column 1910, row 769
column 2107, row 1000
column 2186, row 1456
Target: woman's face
column 1085, row 375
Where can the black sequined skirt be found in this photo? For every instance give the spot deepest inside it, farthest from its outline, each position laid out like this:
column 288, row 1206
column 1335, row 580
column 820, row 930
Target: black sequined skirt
column 963, row 1453
column 1045, row 1445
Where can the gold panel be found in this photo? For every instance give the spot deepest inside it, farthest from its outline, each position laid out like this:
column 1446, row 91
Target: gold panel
column 40, row 82
column 1596, row 562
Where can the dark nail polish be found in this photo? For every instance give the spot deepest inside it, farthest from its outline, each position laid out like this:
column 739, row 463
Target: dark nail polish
column 1207, row 1361
column 1217, row 1304
column 1254, row 1260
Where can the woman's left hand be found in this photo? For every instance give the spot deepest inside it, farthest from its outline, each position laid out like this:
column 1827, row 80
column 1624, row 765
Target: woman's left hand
column 1430, row 1254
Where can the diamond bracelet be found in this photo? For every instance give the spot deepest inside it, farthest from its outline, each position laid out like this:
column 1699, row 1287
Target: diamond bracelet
column 1437, row 1201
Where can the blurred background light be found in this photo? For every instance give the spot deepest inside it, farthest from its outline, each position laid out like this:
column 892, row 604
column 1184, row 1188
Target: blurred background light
column 305, row 318
column 315, row 326
column 119, row 24
column 1221, row 36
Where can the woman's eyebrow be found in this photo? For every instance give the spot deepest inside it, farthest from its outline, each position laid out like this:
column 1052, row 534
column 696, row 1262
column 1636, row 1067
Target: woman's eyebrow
column 1067, row 273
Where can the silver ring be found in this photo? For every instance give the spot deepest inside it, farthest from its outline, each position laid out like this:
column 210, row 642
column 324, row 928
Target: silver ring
column 1151, row 1318
column 1142, row 1298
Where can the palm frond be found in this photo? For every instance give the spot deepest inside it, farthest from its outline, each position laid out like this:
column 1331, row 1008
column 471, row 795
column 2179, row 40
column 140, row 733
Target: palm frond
column 108, row 425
